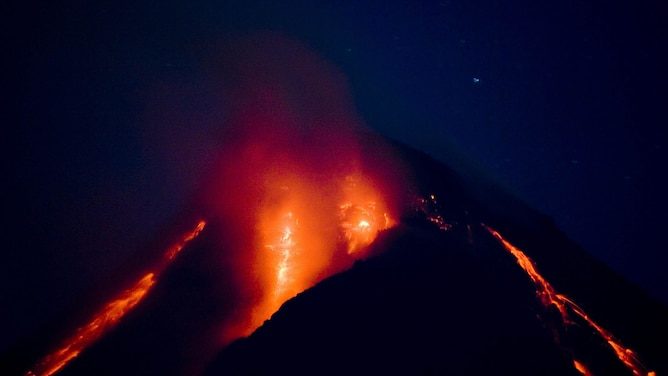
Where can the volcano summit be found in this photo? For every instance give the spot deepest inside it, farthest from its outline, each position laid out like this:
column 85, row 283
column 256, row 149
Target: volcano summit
column 316, row 246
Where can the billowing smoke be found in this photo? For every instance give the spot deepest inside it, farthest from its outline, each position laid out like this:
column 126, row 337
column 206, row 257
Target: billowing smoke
column 292, row 182
column 291, row 186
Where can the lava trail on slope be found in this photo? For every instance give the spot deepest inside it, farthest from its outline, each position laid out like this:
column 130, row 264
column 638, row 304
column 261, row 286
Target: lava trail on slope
column 550, row 297
column 111, row 314
column 298, row 199
column 460, row 309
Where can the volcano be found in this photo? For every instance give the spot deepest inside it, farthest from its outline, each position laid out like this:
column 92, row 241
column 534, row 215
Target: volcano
column 443, row 296
column 437, row 292
column 316, row 246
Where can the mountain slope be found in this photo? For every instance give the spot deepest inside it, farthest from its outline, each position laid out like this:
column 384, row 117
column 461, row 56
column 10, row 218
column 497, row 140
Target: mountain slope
column 429, row 305
column 438, row 294
column 455, row 302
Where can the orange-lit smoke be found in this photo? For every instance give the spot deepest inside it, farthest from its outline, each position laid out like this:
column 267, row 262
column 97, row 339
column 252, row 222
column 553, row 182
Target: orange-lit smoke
column 292, row 181
column 111, row 314
column 304, row 230
column 302, row 237
column 549, row 297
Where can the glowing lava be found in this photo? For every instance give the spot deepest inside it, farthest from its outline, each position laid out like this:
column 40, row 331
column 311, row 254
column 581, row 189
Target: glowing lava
column 581, row 368
column 285, row 247
column 549, row 296
column 363, row 214
column 110, row 315
column 429, row 208
column 626, row 355
column 306, row 231
column 175, row 249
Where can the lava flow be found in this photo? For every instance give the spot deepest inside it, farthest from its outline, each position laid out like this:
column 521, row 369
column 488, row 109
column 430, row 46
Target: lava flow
column 300, row 191
column 548, row 296
column 302, row 238
column 581, row 368
column 111, row 314
column 283, row 249
column 362, row 214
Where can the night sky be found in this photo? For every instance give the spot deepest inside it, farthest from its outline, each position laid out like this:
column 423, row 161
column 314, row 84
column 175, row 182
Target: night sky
column 563, row 103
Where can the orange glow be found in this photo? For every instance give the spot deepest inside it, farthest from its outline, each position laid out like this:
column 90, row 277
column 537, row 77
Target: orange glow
column 362, row 214
column 545, row 291
column 430, row 209
column 581, row 368
column 283, row 247
column 299, row 183
column 101, row 322
column 109, row 316
column 439, row 221
column 290, row 252
column 307, row 230
column 549, row 296
column 176, row 248
column 626, row 355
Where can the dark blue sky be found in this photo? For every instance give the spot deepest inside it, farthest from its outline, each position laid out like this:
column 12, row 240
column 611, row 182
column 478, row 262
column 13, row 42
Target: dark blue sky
column 562, row 102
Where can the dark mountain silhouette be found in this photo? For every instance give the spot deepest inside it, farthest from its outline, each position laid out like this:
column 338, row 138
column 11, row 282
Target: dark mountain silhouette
column 455, row 302
column 428, row 300
column 431, row 304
